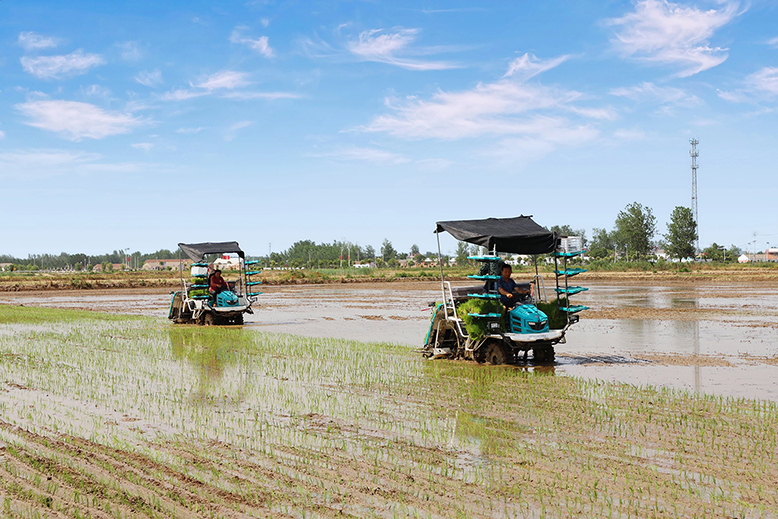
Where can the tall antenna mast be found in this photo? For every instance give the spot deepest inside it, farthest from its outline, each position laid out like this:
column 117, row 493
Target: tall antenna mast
column 694, row 154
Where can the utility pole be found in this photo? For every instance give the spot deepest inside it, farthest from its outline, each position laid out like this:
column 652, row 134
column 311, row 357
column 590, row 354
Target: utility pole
column 694, row 154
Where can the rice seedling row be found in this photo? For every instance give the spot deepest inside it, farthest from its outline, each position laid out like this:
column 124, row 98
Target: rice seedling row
column 106, row 416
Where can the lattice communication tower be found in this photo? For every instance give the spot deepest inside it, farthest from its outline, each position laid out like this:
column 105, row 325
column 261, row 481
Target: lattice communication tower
column 694, row 154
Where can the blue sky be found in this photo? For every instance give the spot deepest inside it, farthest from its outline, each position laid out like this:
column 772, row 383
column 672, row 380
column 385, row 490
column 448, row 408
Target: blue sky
column 142, row 124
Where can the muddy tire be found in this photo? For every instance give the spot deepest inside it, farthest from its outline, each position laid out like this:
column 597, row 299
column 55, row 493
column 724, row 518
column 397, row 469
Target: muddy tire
column 208, row 319
column 238, row 319
column 495, row 354
column 543, row 354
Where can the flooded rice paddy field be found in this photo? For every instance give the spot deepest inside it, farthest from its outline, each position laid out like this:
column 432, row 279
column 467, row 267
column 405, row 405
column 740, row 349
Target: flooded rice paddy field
column 319, row 407
column 708, row 338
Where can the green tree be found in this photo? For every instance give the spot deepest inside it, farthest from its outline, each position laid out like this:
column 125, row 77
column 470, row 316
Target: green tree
column 715, row 252
column 681, row 233
column 566, row 230
column 370, row 252
column 387, row 251
column 635, row 227
column 414, row 251
column 463, row 251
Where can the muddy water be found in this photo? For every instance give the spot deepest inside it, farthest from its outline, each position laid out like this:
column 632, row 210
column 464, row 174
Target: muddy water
column 713, row 338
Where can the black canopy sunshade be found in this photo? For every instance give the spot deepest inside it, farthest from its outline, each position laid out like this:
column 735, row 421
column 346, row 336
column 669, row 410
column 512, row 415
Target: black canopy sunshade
column 196, row 251
column 520, row 235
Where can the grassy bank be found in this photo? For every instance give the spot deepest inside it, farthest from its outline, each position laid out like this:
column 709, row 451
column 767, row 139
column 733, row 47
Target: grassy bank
column 29, row 281
column 104, row 415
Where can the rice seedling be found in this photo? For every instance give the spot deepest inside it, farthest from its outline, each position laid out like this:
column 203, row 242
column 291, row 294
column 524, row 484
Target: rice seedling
column 122, row 416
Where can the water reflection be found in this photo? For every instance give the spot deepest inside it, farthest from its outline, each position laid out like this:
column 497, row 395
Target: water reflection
column 210, row 351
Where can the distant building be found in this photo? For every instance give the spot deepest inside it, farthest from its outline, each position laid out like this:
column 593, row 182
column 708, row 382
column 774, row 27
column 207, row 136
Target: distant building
column 227, row 262
column 165, row 264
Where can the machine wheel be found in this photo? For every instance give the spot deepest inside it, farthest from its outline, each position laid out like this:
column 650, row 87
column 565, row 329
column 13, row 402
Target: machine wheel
column 544, row 354
column 208, row 319
column 238, row 319
column 495, row 354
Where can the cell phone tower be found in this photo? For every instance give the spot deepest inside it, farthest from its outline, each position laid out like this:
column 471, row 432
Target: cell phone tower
column 694, row 154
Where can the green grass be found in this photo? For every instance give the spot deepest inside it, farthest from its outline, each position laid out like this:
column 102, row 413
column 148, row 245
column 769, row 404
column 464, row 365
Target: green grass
column 121, row 416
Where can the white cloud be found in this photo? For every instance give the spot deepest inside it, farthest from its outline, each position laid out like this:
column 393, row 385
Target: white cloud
column 375, row 45
column 150, row 79
column 530, row 119
column 181, row 95
column 647, row 91
column 50, row 162
column 373, row 155
column 96, row 91
column 764, row 80
column 130, row 51
column 528, row 66
column 76, row 121
column 625, row 134
column 232, row 131
column 773, row 41
column 34, row 41
column 260, row 45
column 501, row 108
column 260, row 95
column 190, row 130
column 55, row 67
column 227, row 79
column 241, row 124
column 265, row 22
column 760, row 85
column 42, row 159
column 663, row 32
column 2, row 134
column 145, row 146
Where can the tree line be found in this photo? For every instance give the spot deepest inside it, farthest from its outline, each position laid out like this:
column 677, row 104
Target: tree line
column 81, row 261
column 633, row 237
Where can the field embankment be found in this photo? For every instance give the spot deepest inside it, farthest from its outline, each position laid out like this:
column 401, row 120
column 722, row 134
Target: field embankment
column 41, row 281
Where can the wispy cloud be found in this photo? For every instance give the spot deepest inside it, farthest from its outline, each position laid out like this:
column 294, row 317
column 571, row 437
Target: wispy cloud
column 530, row 119
column 34, row 41
column 96, row 91
column 764, row 80
column 51, row 162
column 393, row 48
column 145, row 146
column 528, row 66
column 232, row 131
column 148, row 78
column 625, row 134
column 501, row 108
column 659, row 31
column 56, row 67
column 260, row 45
column 650, row 92
column 224, row 84
column 182, row 94
column 228, row 79
column 77, row 121
column 758, row 86
column 372, row 155
column 130, row 51
column 190, row 130
column 773, row 42
column 260, row 95
column 2, row 135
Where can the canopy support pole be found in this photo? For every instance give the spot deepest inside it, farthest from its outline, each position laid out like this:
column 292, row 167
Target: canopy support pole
column 442, row 285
